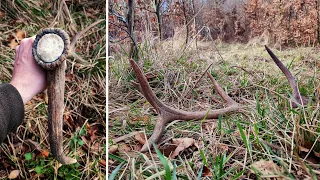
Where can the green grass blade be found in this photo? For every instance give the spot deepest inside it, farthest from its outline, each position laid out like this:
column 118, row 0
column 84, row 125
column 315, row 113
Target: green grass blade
column 115, row 171
column 227, row 173
column 163, row 161
column 203, row 158
column 238, row 175
column 243, row 136
column 200, row 172
column 117, row 158
column 219, row 124
column 174, row 171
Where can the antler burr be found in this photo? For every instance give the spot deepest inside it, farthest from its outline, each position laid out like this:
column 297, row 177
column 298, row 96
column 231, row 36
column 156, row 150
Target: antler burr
column 50, row 50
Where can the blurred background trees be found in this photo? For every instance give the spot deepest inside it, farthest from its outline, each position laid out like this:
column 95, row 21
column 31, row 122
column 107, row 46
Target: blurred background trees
column 288, row 23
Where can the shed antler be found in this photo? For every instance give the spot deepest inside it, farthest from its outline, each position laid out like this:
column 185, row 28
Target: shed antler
column 168, row 114
column 297, row 98
column 50, row 49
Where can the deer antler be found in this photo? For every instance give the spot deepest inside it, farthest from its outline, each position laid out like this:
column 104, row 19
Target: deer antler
column 168, row 114
column 297, row 98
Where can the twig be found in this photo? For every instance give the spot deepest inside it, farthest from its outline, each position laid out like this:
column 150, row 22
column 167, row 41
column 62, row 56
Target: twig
column 187, row 45
column 195, row 85
column 79, row 34
column 121, row 138
column 119, row 40
column 134, row 42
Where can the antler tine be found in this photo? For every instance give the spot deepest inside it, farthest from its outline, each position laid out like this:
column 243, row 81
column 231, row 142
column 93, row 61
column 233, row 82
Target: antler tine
column 297, row 98
column 219, row 89
column 168, row 114
column 146, row 90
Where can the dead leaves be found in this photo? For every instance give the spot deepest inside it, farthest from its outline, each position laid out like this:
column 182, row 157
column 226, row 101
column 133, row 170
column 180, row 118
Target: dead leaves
column 182, row 144
column 124, row 147
column 267, row 168
column 14, row 174
column 140, row 138
column 92, row 13
column 206, row 172
column 20, row 34
column 14, row 39
column 90, row 139
column 173, row 150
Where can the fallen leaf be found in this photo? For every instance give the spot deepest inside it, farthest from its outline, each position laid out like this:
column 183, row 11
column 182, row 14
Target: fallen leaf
column 206, row 172
column 92, row 132
column 113, row 149
column 68, row 119
column 20, row 34
column 13, row 43
column 45, row 153
column 224, row 147
column 168, row 150
column 316, row 154
column 303, row 149
column 183, row 143
column 95, row 148
column 137, row 147
column 267, row 168
column 13, row 39
column 145, row 119
column 103, row 162
column 69, row 77
column 14, row 174
column 140, row 138
column 124, row 148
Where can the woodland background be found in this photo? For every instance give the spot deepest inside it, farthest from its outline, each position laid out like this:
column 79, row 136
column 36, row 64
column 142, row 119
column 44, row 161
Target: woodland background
column 288, row 23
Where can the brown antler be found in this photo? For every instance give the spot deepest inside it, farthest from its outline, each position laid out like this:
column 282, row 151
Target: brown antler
column 297, row 98
column 168, row 114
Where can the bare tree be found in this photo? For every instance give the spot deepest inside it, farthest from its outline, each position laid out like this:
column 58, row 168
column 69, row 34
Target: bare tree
column 158, row 5
column 130, row 21
column 186, row 20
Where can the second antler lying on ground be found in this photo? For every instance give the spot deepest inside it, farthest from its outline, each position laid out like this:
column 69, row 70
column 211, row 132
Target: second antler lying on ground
column 297, row 98
column 168, row 114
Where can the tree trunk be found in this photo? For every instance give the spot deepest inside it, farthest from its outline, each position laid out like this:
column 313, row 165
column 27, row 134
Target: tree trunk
column 318, row 21
column 195, row 30
column 185, row 20
column 158, row 14
column 130, row 20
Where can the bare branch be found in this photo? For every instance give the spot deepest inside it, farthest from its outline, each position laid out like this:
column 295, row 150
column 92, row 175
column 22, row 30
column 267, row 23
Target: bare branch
column 119, row 40
column 135, row 44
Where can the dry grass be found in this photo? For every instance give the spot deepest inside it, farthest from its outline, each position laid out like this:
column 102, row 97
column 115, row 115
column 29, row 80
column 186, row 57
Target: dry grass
column 85, row 111
column 268, row 129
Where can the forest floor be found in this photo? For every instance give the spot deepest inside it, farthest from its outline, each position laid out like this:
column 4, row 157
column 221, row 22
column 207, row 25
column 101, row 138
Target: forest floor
column 26, row 154
column 268, row 139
